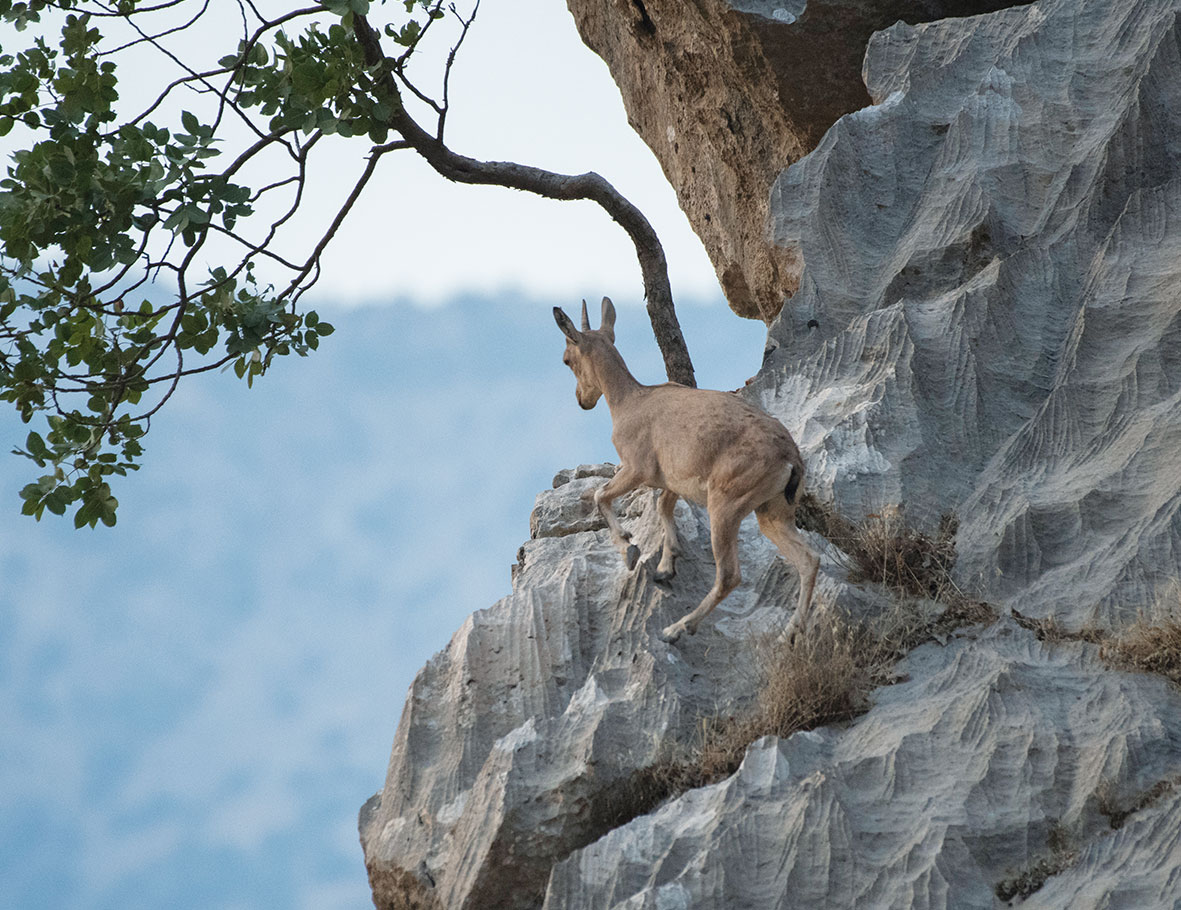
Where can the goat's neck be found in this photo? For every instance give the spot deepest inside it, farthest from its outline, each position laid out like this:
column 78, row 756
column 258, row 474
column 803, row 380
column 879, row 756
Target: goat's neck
column 616, row 381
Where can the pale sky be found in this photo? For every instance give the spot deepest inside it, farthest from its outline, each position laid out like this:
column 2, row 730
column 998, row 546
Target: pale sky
column 198, row 701
column 525, row 89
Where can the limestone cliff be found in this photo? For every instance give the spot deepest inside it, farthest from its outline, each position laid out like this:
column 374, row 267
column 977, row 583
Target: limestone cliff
column 728, row 94
column 985, row 250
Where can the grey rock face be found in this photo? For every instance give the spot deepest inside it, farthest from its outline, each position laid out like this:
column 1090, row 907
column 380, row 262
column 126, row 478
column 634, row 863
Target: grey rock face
column 988, row 323
column 727, row 93
column 523, row 740
column 557, row 514
column 988, row 315
column 950, row 784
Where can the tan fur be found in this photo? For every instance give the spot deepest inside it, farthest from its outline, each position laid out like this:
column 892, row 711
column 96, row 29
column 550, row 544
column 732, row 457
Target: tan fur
column 710, row 447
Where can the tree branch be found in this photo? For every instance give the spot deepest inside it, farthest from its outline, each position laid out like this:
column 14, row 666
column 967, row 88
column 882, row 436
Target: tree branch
column 589, row 186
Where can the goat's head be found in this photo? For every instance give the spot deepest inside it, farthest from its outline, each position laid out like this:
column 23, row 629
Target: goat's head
column 583, row 349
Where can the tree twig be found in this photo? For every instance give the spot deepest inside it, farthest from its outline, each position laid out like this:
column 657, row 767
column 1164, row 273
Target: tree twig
column 590, row 186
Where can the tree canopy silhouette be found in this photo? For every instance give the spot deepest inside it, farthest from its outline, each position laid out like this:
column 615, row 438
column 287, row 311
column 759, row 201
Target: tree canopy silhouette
column 100, row 201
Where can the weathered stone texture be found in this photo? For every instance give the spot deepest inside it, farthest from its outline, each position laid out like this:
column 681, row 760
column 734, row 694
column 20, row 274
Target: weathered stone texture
column 952, row 783
column 988, row 319
column 727, row 94
column 988, row 322
column 522, row 740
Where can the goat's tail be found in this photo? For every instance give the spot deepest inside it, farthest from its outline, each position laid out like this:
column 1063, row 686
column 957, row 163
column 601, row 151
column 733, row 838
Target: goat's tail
column 792, row 490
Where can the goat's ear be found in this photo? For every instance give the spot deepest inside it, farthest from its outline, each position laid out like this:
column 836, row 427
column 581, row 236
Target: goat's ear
column 608, row 325
column 566, row 326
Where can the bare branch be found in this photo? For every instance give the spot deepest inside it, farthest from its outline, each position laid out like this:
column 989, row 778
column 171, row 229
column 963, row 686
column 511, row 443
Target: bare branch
column 409, row 52
column 104, row 10
column 466, row 26
column 203, row 77
column 313, row 260
column 590, row 186
column 156, row 37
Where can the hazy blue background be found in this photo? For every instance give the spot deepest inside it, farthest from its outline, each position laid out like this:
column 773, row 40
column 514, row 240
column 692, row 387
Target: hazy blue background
column 195, row 703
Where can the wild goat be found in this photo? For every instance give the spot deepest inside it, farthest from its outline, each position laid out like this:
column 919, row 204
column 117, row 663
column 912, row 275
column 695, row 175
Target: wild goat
column 710, row 447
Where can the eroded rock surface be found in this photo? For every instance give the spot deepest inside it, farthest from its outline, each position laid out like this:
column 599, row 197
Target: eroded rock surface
column 523, row 739
column 726, row 94
column 988, row 323
column 988, row 318
column 956, row 780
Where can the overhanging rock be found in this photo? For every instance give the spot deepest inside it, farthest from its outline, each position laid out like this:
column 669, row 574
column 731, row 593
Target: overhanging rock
column 727, row 94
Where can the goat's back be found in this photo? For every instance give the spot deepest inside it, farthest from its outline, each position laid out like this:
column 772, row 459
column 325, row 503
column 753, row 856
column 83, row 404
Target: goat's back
column 698, row 441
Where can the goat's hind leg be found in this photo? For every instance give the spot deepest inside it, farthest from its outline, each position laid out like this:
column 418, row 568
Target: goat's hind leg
column 777, row 522
column 624, row 481
column 671, row 547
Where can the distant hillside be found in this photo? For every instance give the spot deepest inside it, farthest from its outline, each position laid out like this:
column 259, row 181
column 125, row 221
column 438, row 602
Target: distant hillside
column 196, row 699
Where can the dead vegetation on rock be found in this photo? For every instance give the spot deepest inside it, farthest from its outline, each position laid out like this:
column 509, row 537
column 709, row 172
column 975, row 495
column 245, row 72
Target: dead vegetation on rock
column 1117, row 810
column 1147, row 646
column 1152, row 644
column 826, row 676
column 823, row 677
column 1061, row 854
column 884, row 549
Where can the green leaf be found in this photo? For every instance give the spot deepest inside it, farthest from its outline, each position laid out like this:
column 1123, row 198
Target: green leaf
column 36, row 445
column 83, row 515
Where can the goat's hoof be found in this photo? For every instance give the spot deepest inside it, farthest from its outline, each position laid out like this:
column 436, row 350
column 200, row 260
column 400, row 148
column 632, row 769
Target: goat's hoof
column 665, row 575
column 632, row 556
column 672, row 633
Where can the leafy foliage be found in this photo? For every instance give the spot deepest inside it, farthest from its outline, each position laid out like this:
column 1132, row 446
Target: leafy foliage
column 101, row 207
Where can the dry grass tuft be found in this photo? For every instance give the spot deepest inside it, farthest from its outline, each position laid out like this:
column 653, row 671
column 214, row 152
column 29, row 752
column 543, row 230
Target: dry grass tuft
column 1048, row 629
column 1148, row 645
column 904, row 560
column 1117, row 811
column 1062, row 854
column 1149, row 648
column 963, row 611
column 884, row 550
column 823, row 677
column 821, row 518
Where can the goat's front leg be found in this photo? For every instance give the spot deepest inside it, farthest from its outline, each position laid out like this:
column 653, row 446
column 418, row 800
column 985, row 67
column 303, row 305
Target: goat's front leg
column 624, row 481
column 724, row 538
column 667, row 567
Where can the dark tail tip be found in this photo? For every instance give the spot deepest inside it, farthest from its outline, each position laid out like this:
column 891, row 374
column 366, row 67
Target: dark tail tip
column 793, row 485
